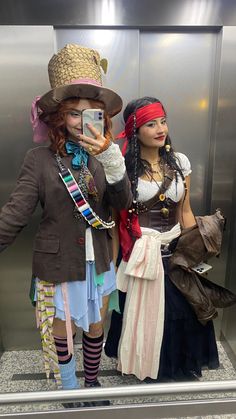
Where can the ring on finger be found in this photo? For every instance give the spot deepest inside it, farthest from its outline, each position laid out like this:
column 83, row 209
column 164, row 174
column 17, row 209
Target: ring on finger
column 90, row 149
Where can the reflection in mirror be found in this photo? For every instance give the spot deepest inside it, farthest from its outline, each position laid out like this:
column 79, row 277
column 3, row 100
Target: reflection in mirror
column 183, row 346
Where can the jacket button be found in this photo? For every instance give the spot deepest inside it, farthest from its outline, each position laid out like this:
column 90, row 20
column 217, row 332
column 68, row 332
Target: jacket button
column 80, row 240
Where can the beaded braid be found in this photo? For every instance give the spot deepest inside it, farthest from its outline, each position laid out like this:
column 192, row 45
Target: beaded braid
column 167, row 153
column 136, row 166
column 133, row 169
column 167, row 156
column 136, row 153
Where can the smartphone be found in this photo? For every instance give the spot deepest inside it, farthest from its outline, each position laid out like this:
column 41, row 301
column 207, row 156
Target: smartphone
column 94, row 117
column 202, row 268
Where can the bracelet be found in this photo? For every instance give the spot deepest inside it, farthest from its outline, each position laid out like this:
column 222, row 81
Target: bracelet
column 105, row 146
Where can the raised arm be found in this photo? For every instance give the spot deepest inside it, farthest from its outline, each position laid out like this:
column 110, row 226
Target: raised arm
column 118, row 185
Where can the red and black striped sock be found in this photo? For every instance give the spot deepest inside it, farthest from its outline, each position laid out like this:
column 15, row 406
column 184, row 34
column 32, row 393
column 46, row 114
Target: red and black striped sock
column 92, row 351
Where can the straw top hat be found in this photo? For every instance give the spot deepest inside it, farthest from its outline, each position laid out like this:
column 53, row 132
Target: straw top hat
column 75, row 71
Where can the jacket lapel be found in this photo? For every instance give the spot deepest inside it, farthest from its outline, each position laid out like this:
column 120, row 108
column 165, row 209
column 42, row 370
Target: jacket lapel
column 93, row 165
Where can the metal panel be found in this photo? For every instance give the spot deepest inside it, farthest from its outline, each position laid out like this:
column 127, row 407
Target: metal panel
column 132, row 13
column 224, row 175
column 178, row 68
column 24, row 53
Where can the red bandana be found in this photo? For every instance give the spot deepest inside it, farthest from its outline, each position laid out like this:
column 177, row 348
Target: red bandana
column 143, row 115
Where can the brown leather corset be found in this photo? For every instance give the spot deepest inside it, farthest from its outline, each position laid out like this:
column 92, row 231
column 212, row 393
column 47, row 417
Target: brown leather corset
column 156, row 213
column 153, row 217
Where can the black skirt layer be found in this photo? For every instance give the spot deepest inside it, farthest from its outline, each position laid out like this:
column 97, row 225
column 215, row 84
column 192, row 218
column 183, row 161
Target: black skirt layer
column 187, row 345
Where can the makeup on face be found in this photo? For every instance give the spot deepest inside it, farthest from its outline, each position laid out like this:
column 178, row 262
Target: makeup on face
column 153, row 133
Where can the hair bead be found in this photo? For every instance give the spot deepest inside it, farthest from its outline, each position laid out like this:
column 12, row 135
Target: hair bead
column 167, row 147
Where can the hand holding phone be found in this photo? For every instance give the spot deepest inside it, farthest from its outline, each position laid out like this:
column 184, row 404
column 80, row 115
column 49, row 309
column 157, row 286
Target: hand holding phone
column 95, row 117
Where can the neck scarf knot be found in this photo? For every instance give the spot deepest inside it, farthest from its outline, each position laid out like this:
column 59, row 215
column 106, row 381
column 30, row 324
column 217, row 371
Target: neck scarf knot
column 80, row 155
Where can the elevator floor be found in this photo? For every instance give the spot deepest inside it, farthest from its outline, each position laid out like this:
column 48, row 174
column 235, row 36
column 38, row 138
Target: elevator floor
column 23, row 371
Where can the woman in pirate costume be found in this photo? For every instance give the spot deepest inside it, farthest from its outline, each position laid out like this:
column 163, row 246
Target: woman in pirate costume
column 76, row 178
column 166, row 330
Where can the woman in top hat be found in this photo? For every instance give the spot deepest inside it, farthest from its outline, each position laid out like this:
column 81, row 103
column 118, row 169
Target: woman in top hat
column 75, row 179
column 165, row 333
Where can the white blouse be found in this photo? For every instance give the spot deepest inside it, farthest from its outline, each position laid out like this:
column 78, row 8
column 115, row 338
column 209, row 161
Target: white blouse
column 147, row 189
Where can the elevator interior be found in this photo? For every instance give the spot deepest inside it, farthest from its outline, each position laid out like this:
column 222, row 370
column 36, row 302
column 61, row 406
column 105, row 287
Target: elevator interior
column 187, row 60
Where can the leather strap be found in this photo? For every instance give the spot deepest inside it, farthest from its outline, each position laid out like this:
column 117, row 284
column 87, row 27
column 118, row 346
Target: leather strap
column 168, row 177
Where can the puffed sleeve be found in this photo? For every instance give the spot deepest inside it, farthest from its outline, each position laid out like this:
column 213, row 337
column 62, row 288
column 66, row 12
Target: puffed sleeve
column 184, row 163
column 16, row 213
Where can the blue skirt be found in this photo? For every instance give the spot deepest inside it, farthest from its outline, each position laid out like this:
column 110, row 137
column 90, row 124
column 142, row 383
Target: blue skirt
column 85, row 297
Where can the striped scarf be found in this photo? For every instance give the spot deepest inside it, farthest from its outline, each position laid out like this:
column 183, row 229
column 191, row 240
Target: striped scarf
column 46, row 312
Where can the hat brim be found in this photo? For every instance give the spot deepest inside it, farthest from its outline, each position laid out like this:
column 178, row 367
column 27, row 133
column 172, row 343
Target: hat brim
column 112, row 101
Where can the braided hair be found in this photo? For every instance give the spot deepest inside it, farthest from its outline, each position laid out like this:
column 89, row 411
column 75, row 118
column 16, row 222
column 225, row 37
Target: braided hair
column 135, row 165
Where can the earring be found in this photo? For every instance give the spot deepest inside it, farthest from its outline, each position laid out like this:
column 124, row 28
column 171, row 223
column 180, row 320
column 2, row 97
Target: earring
column 167, row 147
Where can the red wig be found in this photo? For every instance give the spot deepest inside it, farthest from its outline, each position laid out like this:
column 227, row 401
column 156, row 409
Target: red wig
column 55, row 121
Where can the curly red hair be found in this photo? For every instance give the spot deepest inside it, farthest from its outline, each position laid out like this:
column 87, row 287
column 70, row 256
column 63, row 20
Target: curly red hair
column 55, row 121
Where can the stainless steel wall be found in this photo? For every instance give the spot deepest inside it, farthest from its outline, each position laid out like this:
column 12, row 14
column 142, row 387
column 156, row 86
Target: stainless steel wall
column 123, row 13
column 24, row 54
column 224, row 173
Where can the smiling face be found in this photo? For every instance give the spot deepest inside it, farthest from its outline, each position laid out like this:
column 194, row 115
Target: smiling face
column 73, row 119
column 153, row 133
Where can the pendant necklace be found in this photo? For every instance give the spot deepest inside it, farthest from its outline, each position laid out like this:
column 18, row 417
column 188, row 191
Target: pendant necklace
column 162, row 197
column 159, row 172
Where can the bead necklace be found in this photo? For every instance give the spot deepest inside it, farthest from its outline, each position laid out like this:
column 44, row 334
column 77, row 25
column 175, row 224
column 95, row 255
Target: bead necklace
column 162, row 197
